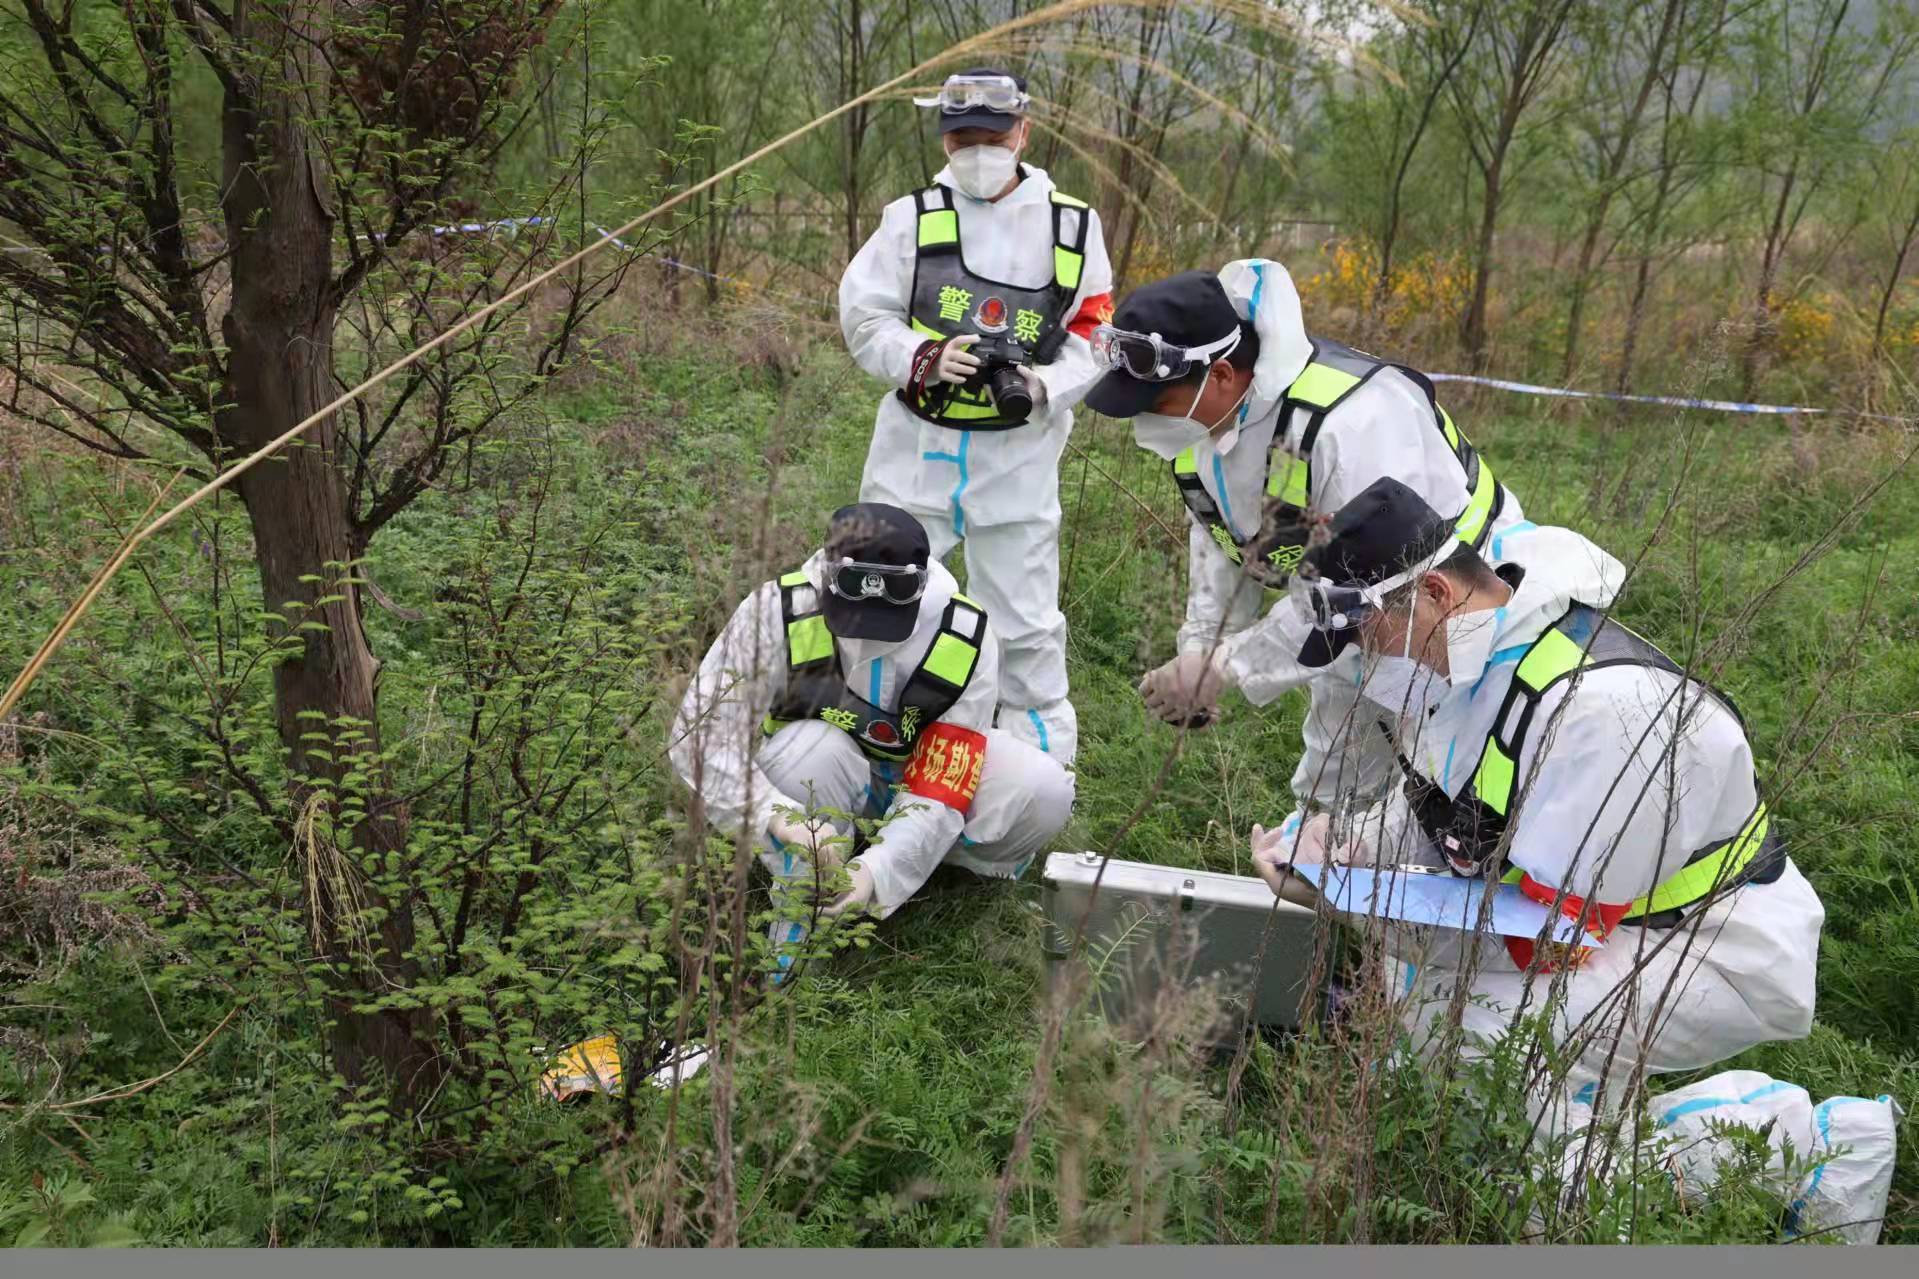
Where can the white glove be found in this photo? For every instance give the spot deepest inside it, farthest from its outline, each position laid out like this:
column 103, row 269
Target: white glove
column 1294, row 840
column 1290, row 843
column 812, row 839
column 858, row 896
column 956, row 363
column 1186, row 690
column 1034, row 387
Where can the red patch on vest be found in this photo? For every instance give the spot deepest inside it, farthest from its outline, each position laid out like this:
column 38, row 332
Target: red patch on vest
column 946, row 766
column 991, row 314
column 882, row 732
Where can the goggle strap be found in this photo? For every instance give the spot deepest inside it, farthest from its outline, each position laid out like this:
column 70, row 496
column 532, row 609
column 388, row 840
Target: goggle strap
column 1165, row 354
column 1214, row 350
column 962, row 93
column 1374, row 594
column 918, row 575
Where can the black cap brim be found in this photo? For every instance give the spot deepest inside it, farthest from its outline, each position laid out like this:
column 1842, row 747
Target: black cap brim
column 866, row 619
column 978, row 118
column 1119, row 394
column 1321, row 647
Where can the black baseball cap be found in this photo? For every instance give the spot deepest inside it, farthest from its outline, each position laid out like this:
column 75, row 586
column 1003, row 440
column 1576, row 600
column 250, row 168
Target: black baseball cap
column 1190, row 309
column 1378, row 535
column 981, row 117
column 871, row 533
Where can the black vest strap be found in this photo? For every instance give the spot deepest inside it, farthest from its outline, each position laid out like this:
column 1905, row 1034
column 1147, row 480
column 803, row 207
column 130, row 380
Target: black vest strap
column 817, row 688
column 1469, row 829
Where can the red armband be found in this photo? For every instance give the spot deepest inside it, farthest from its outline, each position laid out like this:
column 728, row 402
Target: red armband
column 1599, row 923
column 1093, row 312
column 946, row 765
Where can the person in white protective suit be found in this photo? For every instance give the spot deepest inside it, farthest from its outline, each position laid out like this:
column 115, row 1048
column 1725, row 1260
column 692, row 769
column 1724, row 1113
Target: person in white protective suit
column 1265, row 428
column 1545, row 745
column 862, row 684
column 974, row 298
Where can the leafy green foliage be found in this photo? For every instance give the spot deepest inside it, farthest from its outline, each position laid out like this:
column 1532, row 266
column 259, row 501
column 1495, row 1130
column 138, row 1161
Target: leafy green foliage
column 876, row 1100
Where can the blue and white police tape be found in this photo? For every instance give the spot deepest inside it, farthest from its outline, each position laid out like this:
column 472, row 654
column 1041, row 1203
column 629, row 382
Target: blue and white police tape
column 1669, row 401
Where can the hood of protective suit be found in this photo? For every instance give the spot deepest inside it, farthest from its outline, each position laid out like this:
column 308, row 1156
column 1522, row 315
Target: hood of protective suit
column 1561, row 568
column 1265, row 296
column 1035, row 188
column 940, row 585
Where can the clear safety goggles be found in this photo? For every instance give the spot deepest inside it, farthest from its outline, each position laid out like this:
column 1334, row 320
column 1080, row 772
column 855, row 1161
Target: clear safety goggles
column 1150, row 358
column 1330, row 606
column 999, row 93
column 888, row 583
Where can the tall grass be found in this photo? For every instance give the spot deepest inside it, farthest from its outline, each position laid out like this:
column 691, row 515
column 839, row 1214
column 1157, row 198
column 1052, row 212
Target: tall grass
column 917, row 1084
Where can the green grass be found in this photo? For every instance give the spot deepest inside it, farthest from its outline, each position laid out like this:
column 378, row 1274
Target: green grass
column 879, row 1098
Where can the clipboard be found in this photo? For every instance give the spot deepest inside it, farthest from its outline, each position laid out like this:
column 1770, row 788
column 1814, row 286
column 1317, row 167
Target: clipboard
column 1439, row 901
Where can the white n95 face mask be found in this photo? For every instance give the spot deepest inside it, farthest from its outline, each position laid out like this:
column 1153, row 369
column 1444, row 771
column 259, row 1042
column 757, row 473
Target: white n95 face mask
column 1167, row 437
column 983, row 172
column 1171, row 436
column 1469, row 642
column 1401, row 685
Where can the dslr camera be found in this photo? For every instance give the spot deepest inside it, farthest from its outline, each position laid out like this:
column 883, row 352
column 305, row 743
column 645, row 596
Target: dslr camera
column 1002, row 355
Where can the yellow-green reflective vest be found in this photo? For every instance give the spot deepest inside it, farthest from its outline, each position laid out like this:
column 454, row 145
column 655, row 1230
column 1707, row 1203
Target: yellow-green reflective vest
column 816, row 685
column 1329, row 379
column 1469, row 829
column 947, row 298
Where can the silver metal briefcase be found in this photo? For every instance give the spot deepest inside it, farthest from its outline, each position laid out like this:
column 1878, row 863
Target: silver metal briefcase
column 1149, row 925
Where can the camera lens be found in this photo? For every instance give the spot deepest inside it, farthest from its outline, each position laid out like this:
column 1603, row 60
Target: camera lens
column 1009, row 391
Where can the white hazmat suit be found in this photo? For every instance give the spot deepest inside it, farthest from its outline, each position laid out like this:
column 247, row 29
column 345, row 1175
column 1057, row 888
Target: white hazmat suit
column 1618, row 781
column 1384, row 428
column 742, row 776
column 995, row 491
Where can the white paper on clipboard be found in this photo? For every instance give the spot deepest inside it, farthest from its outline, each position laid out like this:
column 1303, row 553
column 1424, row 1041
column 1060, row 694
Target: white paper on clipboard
column 1441, row 901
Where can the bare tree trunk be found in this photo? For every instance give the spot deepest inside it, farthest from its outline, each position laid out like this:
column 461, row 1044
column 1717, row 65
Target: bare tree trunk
column 1614, row 164
column 1525, row 59
column 279, row 331
column 1130, row 129
column 851, row 86
column 1576, row 310
column 1819, row 79
column 1473, row 328
column 1762, row 320
column 1892, row 278
column 1635, row 316
column 1473, row 331
column 1583, row 273
column 1145, row 193
column 1231, row 188
column 1389, row 235
column 550, row 133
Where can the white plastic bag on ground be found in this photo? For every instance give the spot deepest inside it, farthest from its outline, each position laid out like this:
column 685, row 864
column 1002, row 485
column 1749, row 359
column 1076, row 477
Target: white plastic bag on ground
column 1851, row 1140
column 1691, row 1143
column 1848, row 1194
